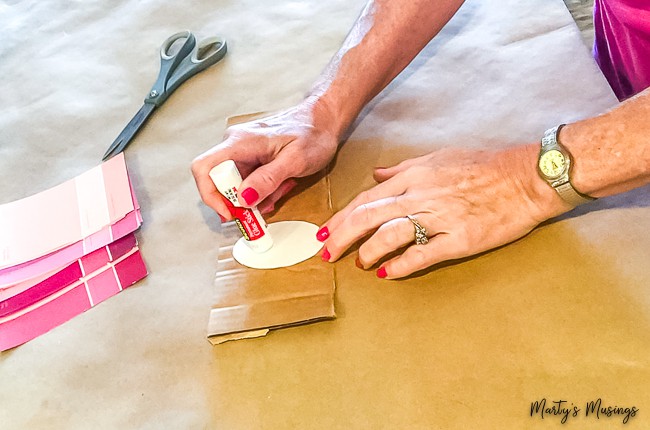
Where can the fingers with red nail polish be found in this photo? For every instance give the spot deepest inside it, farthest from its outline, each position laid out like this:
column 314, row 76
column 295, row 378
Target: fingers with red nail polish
column 381, row 273
column 323, row 234
column 325, row 256
column 250, row 196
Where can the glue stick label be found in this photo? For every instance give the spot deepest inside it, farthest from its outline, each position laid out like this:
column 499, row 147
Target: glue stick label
column 245, row 219
column 226, row 178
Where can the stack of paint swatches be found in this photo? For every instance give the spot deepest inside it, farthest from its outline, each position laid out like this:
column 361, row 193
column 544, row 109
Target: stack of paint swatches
column 66, row 249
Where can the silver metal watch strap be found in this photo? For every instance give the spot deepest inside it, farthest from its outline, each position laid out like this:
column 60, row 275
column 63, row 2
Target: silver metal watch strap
column 550, row 136
column 571, row 196
column 565, row 190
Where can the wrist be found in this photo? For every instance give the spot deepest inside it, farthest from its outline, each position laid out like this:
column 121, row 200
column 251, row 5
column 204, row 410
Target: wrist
column 555, row 166
column 569, row 139
column 314, row 114
column 520, row 167
column 328, row 115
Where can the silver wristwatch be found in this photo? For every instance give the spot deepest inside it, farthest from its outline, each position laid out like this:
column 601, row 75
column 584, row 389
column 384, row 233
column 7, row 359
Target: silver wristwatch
column 553, row 165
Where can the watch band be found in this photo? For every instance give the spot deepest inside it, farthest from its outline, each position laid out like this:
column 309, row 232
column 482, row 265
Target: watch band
column 565, row 188
column 571, row 196
column 550, row 136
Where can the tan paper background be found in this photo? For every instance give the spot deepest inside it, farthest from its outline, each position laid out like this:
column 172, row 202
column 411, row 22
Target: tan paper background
column 562, row 314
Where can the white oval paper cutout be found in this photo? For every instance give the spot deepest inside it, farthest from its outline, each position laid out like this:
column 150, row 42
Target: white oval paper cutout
column 293, row 243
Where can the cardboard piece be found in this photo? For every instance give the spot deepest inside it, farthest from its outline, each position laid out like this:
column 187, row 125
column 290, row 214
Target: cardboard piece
column 249, row 299
column 250, row 302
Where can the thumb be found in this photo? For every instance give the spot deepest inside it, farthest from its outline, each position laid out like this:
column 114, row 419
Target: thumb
column 263, row 181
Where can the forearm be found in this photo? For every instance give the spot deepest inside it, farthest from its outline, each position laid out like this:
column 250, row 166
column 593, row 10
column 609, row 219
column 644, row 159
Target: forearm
column 611, row 152
column 383, row 41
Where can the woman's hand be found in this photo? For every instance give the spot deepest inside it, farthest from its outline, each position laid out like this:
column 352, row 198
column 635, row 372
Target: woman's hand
column 469, row 201
column 269, row 153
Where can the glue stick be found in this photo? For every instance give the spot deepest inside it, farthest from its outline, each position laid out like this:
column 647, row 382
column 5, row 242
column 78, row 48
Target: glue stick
column 227, row 179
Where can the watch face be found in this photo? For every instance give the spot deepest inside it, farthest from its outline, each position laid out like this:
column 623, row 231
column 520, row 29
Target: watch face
column 552, row 163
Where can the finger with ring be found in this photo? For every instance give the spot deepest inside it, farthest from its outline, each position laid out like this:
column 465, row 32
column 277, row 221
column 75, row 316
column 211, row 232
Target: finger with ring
column 421, row 237
column 388, row 238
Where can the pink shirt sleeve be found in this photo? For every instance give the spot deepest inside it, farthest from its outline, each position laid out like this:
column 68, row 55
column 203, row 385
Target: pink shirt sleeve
column 622, row 44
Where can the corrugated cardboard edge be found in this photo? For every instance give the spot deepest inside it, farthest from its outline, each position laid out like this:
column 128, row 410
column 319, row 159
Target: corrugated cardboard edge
column 218, row 336
column 219, row 339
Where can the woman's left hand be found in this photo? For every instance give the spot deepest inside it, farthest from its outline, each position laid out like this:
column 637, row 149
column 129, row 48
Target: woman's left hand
column 468, row 201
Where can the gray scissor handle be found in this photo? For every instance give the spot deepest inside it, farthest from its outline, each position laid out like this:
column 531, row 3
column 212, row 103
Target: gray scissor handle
column 188, row 61
column 169, row 62
column 207, row 53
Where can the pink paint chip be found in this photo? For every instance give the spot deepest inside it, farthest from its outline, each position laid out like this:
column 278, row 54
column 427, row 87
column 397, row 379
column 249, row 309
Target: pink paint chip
column 69, row 275
column 103, row 286
column 52, row 311
column 77, row 209
column 52, row 261
column 44, row 318
column 95, row 260
column 131, row 270
column 65, row 250
column 121, row 246
column 86, row 267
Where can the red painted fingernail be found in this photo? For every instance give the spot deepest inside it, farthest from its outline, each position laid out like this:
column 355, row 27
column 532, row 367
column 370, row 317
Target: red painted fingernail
column 326, row 255
column 222, row 218
column 323, row 234
column 357, row 263
column 381, row 273
column 250, row 196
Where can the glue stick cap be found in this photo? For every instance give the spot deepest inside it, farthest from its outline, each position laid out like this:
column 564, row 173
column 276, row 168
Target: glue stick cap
column 226, row 176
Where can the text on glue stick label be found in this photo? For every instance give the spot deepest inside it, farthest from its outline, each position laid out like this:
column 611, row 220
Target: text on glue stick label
column 248, row 224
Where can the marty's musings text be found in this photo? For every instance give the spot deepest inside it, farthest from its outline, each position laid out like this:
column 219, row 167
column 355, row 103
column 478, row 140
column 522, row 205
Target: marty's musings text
column 596, row 409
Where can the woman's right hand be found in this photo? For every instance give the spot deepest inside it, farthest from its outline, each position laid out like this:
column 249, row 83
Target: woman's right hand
column 269, row 153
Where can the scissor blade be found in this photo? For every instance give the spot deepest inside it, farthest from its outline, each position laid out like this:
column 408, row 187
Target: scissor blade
column 129, row 131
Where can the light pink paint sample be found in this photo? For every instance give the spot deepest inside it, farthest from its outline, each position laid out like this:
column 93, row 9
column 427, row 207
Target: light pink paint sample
column 65, row 214
column 10, row 276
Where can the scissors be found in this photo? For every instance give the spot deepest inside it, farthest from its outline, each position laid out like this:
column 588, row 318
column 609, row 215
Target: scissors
column 175, row 68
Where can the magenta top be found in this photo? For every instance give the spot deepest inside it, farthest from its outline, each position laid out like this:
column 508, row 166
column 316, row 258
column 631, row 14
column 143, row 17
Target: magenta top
column 622, row 45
